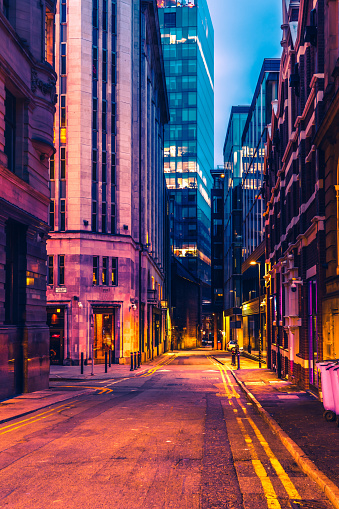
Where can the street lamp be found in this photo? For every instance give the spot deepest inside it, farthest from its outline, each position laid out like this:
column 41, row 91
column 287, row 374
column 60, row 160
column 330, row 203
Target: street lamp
column 257, row 263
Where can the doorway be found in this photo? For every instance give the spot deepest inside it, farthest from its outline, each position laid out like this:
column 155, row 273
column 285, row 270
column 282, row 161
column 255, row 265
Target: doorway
column 104, row 334
column 56, row 323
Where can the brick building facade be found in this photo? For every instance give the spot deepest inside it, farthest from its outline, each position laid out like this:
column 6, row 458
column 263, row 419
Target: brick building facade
column 294, row 187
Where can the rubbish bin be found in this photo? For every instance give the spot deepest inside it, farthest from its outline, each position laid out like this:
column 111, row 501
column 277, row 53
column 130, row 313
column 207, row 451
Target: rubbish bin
column 327, row 389
column 334, row 373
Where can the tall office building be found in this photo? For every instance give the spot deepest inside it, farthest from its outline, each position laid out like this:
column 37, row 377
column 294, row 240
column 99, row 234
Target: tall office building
column 107, row 257
column 233, row 226
column 188, row 47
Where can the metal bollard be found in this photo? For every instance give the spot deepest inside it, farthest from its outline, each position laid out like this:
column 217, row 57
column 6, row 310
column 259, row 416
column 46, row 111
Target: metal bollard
column 135, row 361
column 109, row 358
column 139, row 359
column 238, row 358
column 82, row 363
column 131, row 362
column 106, row 361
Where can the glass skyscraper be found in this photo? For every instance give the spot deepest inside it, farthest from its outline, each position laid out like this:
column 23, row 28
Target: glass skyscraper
column 188, row 48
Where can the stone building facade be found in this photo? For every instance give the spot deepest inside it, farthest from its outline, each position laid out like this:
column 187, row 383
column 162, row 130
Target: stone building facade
column 107, row 256
column 27, row 105
column 295, row 195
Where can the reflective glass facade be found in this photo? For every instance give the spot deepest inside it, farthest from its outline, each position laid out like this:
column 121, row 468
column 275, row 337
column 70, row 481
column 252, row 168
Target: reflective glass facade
column 188, row 47
column 253, row 152
column 233, row 207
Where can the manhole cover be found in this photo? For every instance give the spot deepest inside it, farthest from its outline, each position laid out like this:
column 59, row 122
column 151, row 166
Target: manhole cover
column 307, row 504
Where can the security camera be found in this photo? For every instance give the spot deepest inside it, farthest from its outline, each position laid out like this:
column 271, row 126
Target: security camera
column 293, row 287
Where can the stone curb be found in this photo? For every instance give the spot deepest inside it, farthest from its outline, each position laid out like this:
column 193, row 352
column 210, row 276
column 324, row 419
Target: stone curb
column 330, row 490
column 129, row 374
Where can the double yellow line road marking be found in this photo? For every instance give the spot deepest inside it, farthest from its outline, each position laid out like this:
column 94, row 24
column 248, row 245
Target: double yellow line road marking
column 269, row 491
column 35, row 418
column 48, row 413
column 158, row 366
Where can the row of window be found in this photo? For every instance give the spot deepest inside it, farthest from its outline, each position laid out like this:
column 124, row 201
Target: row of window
column 106, row 208
column 108, row 277
column 107, row 270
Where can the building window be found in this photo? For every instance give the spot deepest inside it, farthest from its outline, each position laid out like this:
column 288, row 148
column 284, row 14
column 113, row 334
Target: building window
column 170, row 19
column 6, row 8
column 103, row 218
column 62, row 215
column 94, row 216
column 52, row 214
column 52, row 168
column 63, row 11
column 50, row 274
column 113, row 195
column 61, row 269
column 95, row 113
column 15, row 272
column 94, row 166
column 104, row 275
column 62, row 163
column 63, row 111
column 95, row 270
column 114, row 271
column 49, row 37
column 10, row 128
column 63, row 55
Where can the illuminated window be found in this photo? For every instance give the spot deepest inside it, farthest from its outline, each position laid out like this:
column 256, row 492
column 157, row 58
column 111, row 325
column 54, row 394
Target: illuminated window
column 114, row 271
column 104, row 275
column 63, row 111
column 95, row 270
column 49, row 37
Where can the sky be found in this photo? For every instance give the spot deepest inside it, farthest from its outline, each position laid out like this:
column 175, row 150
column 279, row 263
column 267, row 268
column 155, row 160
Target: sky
column 245, row 32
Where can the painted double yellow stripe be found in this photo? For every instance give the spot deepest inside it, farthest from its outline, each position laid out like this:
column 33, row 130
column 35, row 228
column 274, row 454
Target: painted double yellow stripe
column 158, row 366
column 271, row 497
column 35, row 418
column 228, row 387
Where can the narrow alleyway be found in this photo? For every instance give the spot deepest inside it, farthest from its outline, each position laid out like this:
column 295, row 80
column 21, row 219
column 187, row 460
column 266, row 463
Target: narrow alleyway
column 181, row 435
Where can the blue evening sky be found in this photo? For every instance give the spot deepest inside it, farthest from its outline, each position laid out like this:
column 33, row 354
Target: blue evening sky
column 245, row 32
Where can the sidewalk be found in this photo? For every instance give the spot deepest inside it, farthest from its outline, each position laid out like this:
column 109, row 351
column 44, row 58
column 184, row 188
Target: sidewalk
column 25, row 404
column 296, row 416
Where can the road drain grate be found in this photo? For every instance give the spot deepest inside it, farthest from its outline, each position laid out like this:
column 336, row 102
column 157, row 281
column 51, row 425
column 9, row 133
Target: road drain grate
column 307, row 504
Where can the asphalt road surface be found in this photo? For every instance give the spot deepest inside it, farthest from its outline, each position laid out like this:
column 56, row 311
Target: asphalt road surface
column 181, row 436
